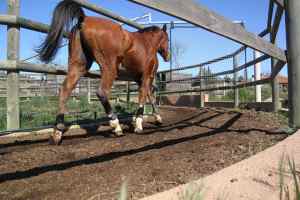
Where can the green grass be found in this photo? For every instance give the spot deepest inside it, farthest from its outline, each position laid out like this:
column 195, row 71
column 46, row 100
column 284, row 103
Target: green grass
column 192, row 191
column 247, row 94
column 41, row 111
column 286, row 192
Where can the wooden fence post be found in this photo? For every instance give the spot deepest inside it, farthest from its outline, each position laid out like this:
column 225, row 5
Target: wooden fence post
column 13, row 48
column 275, row 89
column 293, row 44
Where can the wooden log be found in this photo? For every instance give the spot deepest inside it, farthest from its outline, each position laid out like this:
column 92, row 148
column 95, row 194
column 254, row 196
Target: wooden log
column 276, row 65
column 39, row 68
column 46, row 68
column 25, row 23
column 13, row 54
column 277, row 20
column 277, row 68
column 279, row 2
column 107, row 13
column 270, row 15
column 203, row 17
column 243, row 48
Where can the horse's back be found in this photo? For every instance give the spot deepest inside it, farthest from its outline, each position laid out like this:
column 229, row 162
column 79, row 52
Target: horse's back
column 103, row 34
column 99, row 23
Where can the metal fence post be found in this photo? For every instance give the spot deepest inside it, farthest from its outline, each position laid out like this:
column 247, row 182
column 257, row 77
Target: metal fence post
column 128, row 94
column 201, row 93
column 13, row 47
column 172, row 26
column 235, row 80
column 293, row 44
column 89, row 90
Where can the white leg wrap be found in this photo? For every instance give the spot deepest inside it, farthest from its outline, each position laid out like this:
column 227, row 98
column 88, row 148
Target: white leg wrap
column 117, row 127
column 56, row 137
column 138, row 125
column 133, row 120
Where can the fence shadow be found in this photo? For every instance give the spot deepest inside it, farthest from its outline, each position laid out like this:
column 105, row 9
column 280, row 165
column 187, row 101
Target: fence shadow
column 113, row 155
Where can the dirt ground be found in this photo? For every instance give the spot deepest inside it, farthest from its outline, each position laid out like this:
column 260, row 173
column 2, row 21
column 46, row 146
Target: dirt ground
column 192, row 143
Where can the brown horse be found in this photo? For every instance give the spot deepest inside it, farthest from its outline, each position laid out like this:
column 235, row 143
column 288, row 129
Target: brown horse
column 101, row 40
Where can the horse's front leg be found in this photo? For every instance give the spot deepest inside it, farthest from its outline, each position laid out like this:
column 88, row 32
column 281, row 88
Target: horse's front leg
column 143, row 92
column 103, row 96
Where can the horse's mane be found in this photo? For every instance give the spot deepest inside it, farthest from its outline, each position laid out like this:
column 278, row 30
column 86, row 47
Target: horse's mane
column 149, row 29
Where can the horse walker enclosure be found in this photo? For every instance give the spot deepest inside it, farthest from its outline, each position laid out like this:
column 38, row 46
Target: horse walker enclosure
column 191, row 142
column 197, row 16
column 192, row 13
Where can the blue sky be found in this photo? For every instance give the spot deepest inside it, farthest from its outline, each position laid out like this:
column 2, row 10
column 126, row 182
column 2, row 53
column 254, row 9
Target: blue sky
column 199, row 44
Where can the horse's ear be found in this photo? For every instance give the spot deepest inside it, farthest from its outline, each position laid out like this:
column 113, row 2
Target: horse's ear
column 164, row 28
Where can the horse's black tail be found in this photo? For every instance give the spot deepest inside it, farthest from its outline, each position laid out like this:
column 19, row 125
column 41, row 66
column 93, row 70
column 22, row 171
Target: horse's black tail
column 66, row 14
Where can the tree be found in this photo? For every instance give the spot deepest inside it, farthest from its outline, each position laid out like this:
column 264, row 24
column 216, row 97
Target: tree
column 178, row 50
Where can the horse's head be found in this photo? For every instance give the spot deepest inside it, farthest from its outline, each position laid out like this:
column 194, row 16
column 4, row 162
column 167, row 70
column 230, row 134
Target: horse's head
column 163, row 48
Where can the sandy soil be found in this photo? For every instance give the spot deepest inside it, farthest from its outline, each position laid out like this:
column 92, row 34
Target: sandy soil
column 192, row 143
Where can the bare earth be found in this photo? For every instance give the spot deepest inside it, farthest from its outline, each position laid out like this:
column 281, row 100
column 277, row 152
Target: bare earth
column 192, row 143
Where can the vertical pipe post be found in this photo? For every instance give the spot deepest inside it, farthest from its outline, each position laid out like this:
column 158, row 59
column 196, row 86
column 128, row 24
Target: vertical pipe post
column 13, row 47
column 201, row 83
column 257, row 76
column 89, row 90
column 235, row 80
column 158, row 86
column 128, row 94
column 293, row 45
column 171, row 48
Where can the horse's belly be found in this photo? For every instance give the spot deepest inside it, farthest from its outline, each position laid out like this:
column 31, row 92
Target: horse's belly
column 125, row 75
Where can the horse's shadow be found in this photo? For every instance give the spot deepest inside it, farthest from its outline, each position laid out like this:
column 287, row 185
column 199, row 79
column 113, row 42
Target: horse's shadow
column 92, row 130
column 113, row 155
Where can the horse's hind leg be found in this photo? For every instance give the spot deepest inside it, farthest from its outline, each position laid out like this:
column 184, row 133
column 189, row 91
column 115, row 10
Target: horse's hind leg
column 65, row 91
column 108, row 75
column 78, row 65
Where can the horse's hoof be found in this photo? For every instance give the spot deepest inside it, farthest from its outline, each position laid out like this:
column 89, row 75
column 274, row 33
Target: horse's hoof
column 117, row 127
column 138, row 125
column 56, row 137
column 138, row 130
column 158, row 120
column 61, row 127
column 119, row 133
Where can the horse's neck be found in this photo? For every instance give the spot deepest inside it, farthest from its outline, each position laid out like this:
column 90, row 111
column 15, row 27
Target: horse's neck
column 151, row 39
